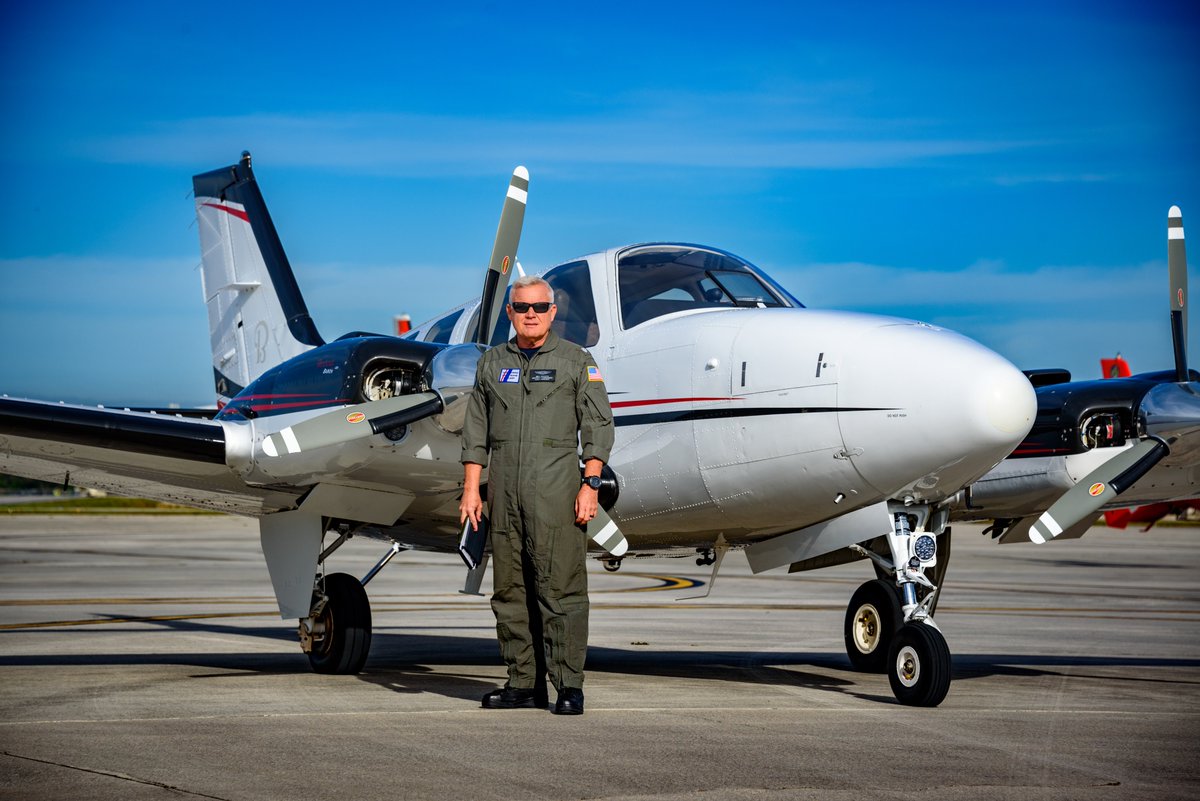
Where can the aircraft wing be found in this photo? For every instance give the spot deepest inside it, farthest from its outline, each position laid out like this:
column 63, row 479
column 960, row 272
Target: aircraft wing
column 174, row 459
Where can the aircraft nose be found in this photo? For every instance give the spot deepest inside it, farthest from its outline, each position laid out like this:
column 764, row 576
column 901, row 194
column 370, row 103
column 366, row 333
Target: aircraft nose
column 949, row 408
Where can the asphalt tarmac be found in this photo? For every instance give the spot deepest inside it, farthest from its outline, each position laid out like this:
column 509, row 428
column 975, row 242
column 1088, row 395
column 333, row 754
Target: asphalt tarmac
column 141, row 658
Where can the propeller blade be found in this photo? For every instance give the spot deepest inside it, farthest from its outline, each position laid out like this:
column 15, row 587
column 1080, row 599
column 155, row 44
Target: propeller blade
column 1177, row 266
column 604, row 532
column 352, row 422
column 1098, row 488
column 504, row 255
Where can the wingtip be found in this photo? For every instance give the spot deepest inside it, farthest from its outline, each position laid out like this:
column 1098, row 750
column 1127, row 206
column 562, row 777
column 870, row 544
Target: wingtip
column 521, row 173
column 1175, row 213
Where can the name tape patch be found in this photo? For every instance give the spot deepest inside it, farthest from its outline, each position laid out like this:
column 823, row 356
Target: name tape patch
column 510, row 375
column 543, row 376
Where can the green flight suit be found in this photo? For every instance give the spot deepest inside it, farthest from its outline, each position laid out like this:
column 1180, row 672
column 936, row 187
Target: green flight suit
column 536, row 418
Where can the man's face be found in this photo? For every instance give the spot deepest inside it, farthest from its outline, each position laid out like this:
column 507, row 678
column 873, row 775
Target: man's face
column 530, row 326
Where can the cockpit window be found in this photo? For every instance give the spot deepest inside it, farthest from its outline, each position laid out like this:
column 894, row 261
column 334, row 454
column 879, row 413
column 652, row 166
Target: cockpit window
column 575, row 319
column 659, row 280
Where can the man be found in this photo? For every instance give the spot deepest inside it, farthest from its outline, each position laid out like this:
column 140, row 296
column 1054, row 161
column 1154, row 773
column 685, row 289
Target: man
column 537, row 400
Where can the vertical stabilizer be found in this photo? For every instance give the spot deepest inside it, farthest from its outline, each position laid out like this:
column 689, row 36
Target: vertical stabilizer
column 256, row 315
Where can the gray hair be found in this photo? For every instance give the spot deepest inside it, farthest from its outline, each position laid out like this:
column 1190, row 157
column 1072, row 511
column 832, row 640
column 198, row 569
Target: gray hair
column 533, row 280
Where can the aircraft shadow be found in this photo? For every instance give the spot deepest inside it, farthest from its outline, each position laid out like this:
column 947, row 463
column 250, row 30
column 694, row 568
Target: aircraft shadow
column 424, row 662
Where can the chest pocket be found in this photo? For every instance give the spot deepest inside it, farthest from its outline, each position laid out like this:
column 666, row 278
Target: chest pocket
column 545, row 393
column 503, row 415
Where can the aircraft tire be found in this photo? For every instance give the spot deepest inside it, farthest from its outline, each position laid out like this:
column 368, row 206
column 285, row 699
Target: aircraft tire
column 872, row 619
column 919, row 665
column 347, row 619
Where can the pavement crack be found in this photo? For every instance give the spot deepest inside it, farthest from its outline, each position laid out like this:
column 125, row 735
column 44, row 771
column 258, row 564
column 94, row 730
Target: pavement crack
column 111, row 774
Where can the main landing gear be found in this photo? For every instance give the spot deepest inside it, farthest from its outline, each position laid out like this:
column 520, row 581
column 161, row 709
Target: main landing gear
column 889, row 623
column 336, row 635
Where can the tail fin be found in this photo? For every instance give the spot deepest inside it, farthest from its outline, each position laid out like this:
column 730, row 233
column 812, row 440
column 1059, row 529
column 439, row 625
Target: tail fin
column 256, row 315
column 1115, row 368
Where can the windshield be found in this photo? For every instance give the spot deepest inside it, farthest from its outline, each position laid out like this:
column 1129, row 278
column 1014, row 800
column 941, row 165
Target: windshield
column 661, row 279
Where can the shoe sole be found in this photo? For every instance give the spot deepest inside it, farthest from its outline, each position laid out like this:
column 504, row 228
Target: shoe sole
column 523, row 705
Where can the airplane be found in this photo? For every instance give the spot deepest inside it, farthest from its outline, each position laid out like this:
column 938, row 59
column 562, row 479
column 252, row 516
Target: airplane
column 1102, row 445
column 1149, row 514
column 744, row 421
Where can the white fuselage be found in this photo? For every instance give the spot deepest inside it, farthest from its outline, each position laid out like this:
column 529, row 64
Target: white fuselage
column 741, row 422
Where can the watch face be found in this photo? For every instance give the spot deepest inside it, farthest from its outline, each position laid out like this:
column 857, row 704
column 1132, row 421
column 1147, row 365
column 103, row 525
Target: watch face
column 593, row 482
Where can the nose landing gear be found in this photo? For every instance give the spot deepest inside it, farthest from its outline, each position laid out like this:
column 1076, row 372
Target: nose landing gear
column 889, row 622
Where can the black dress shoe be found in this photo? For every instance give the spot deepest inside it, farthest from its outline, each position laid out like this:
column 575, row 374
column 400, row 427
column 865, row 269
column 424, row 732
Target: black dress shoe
column 570, row 701
column 510, row 698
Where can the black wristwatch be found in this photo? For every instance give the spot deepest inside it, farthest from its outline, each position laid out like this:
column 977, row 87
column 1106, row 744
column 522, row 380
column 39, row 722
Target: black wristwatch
column 593, row 481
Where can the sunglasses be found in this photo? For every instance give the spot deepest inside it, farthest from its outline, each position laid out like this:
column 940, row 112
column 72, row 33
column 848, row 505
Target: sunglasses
column 521, row 308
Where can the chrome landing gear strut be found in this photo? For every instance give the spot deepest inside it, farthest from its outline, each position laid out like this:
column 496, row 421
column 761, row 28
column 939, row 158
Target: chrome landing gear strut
column 889, row 623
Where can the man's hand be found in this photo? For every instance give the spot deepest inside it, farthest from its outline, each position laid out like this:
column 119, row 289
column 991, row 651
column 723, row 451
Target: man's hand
column 471, row 505
column 586, row 504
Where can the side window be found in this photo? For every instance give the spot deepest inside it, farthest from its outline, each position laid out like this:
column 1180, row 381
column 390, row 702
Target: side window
column 575, row 319
column 504, row 331
column 439, row 331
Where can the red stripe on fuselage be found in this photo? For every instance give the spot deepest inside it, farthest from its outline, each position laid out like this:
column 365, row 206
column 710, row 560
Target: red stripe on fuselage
column 241, row 215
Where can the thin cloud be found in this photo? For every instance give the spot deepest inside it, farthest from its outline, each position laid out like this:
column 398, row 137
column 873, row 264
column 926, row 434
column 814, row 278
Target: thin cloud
column 429, row 144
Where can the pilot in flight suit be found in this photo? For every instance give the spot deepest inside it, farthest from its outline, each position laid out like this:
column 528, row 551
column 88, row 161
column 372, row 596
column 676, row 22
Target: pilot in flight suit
column 539, row 405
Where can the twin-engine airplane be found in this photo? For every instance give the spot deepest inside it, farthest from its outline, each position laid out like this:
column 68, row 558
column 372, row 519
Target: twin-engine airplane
column 743, row 421
column 1127, row 440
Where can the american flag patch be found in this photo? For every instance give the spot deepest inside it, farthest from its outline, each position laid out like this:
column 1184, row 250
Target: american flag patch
column 594, row 373
column 510, row 375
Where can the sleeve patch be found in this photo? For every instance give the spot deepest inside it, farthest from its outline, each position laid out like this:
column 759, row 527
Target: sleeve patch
column 594, row 373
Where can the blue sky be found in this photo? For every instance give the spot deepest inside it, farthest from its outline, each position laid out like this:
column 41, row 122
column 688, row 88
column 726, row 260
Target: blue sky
column 1003, row 170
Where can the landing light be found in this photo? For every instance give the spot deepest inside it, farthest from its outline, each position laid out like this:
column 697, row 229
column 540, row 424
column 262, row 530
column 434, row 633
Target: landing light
column 925, row 547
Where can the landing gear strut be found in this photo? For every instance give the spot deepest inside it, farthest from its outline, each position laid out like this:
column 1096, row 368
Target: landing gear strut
column 889, row 622
column 336, row 635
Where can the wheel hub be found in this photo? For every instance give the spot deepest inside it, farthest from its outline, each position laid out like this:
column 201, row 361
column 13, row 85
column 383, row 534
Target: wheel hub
column 867, row 628
column 908, row 666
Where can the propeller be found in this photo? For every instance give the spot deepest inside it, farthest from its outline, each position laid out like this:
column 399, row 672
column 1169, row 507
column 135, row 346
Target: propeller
column 376, row 417
column 1177, row 267
column 1121, row 472
column 504, row 255
column 352, row 422
column 1098, row 488
column 604, row 532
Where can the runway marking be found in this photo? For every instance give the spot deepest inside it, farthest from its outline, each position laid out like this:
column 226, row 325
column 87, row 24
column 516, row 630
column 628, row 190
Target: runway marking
column 102, row 601
column 120, row 620
column 665, row 583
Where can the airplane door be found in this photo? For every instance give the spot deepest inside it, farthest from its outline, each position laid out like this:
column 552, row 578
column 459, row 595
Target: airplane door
column 782, row 439
column 717, row 428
